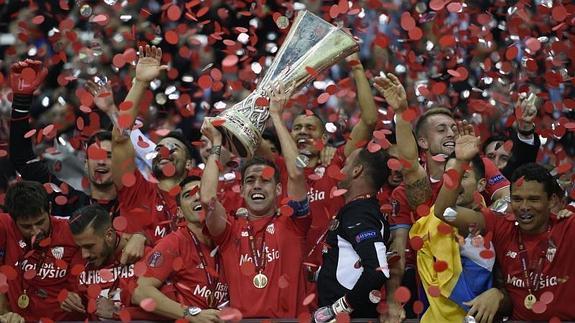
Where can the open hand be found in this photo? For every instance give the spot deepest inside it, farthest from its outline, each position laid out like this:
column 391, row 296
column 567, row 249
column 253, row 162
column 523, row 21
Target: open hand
column 102, row 94
column 134, row 249
column 485, row 306
column 148, row 67
column 391, row 89
column 73, row 303
column 208, row 130
column 466, row 143
column 11, row 317
column 279, row 95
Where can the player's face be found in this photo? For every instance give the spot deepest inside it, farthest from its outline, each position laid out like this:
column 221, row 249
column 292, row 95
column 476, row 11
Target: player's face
column 171, row 153
column 530, row 205
column 37, row 226
column 348, row 170
column 258, row 191
column 438, row 136
column 190, row 202
column 497, row 153
column 306, row 131
column 100, row 171
column 469, row 185
column 395, row 176
column 96, row 248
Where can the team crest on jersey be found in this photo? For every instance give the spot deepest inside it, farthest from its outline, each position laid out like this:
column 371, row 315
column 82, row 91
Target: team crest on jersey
column 551, row 251
column 271, row 229
column 159, row 208
column 319, row 171
column 155, row 259
column 58, row 252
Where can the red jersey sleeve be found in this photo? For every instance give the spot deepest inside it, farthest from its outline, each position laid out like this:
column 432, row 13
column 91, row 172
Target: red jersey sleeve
column 160, row 259
column 138, row 194
column 401, row 216
column 225, row 236
column 495, row 180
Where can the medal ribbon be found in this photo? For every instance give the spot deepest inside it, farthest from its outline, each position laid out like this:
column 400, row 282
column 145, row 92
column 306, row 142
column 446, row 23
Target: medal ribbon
column 260, row 266
column 525, row 263
column 212, row 281
column 172, row 218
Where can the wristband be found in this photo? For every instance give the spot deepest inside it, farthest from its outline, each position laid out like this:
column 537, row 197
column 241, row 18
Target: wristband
column 526, row 132
column 216, row 150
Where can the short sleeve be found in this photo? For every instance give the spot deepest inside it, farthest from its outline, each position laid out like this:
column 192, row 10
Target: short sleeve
column 225, row 236
column 495, row 180
column 137, row 194
column 401, row 216
column 490, row 219
column 160, row 259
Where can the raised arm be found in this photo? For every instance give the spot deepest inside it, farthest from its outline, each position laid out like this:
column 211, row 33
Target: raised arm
column 296, row 186
column 21, row 152
column 364, row 128
column 123, row 153
column 466, row 147
column 417, row 185
column 215, row 212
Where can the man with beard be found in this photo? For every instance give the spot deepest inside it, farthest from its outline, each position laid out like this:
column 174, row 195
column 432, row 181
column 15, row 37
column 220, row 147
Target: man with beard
column 36, row 253
column 263, row 244
column 195, row 289
column 355, row 260
column 435, row 136
column 65, row 198
column 148, row 206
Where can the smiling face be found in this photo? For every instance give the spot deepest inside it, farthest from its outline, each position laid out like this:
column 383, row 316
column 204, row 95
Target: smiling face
column 259, row 192
column 170, row 151
column 438, row 136
column 100, row 171
column 306, row 130
column 190, row 205
column 530, row 204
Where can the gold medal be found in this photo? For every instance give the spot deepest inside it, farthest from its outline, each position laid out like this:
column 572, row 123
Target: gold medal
column 23, row 301
column 260, row 280
column 529, row 301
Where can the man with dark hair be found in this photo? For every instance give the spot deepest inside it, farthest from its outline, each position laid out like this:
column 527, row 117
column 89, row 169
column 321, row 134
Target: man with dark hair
column 263, row 244
column 101, row 248
column 533, row 247
column 65, row 198
column 435, row 136
column 148, row 207
column 355, row 263
column 40, row 249
column 196, row 288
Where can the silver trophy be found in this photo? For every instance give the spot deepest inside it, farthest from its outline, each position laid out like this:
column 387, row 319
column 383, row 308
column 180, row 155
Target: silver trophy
column 312, row 45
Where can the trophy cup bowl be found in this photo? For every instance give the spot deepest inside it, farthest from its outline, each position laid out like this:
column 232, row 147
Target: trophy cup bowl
column 312, row 44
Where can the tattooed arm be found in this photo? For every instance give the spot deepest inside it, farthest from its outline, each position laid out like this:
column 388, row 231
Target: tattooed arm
column 417, row 189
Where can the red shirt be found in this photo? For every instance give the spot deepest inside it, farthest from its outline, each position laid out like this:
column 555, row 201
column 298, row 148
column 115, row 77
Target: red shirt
column 51, row 263
column 323, row 206
column 558, row 269
column 147, row 208
column 283, row 253
column 176, row 261
column 402, row 216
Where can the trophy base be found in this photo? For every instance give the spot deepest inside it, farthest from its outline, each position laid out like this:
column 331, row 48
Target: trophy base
column 240, row 136
column 233, row 143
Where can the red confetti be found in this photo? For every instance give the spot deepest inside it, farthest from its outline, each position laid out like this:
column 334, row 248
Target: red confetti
column 94, row 291
column 29, row 274
column 268, row 172
column 38, row 20
column 394, row 164
column 28, row 74
column 230, row 314
column 339, row 192
column 422, row 210
column 323, row 98
column 416, row 243
column 30, row 133
column 440, row 266
column 174, row 13
column 547, row 297
column 169, row 169
column 418, row 307
column 62, row 295
column 407, row 21
column 402, row 294
column 148, row 304
column 434, row 291
column 409, row 115
column 262, row 102
column 120, row 223
column 308, row 299
column 487, row 254
column 539, row 307
column 230, row 60
column 444, row 228
column 205, row 82
column 172, row 37
column 128, row 179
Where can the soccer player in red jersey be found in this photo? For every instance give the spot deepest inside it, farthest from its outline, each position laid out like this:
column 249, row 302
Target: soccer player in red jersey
column 262, row 251
column 36, row 253
column 103, row 282
column 148, row 206
column 533, row 247
column 435, row 136
column 184, row 275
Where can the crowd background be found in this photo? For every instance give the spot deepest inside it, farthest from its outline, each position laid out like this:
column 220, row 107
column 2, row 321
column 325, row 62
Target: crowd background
column 474, row 57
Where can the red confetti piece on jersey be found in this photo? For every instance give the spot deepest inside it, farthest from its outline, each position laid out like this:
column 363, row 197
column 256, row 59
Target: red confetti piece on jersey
column 539, row 307
column 106, row 273
column 434, row 291
column 283, row 282
column 555, row 319
column 547, row 297
column 128, row 179
column 77, row 270
column 402, row 294
column 334, row 172
column 120, row 223
column 178, row 264
column 338, row 192
column 308, row 299
column 416, row 243
column 487, row 254
column 148, row 304
column 94, row 291
column 440, row 266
